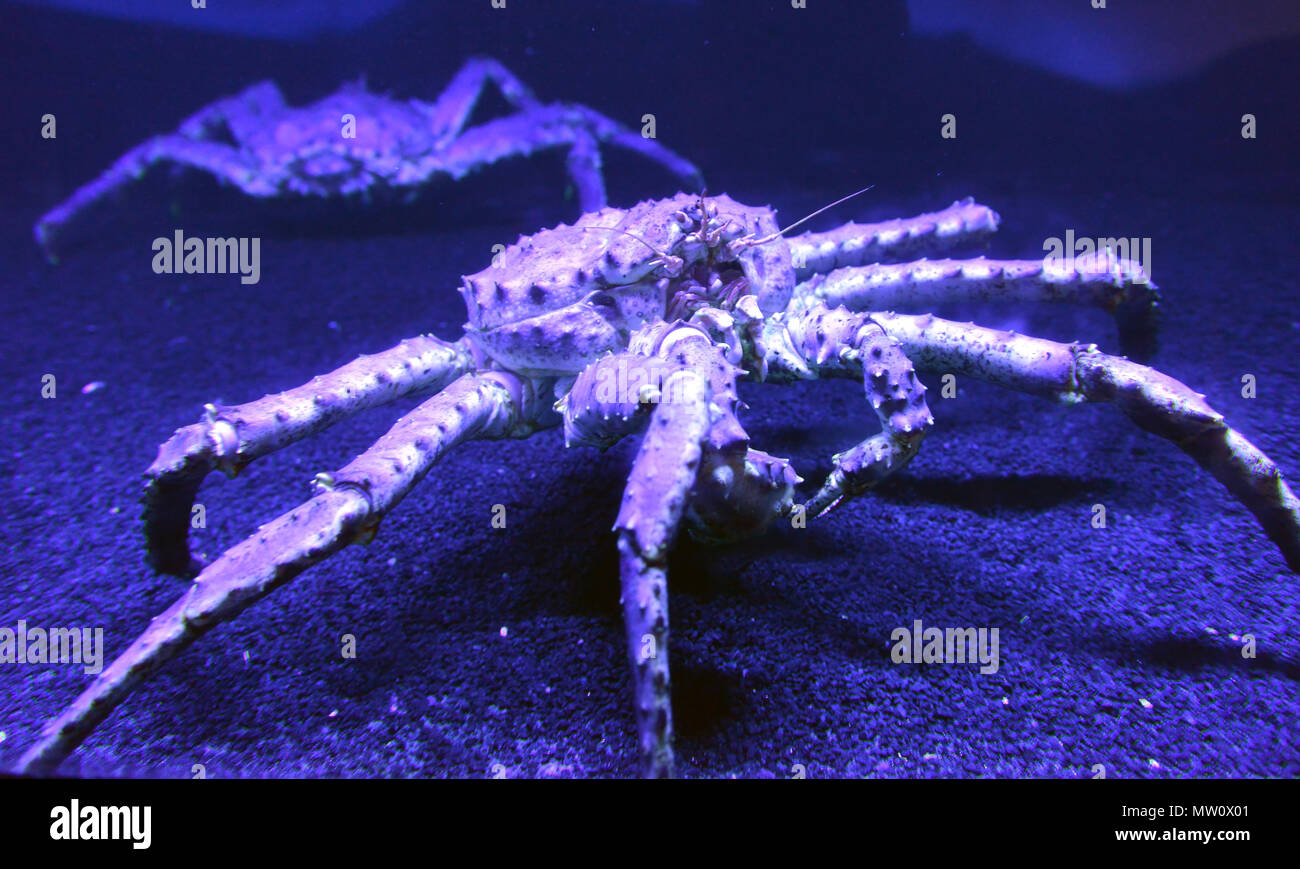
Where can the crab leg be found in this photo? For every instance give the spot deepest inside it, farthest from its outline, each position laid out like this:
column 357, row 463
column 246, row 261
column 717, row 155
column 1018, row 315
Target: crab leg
column 962, row 223
column 1119, row 286
column 653, row 503
column 678, row 373
column 551, row 126
column 221, row 160
column 241, row 112
column 230, row 437
column 1073, row 373
column 454, row 105
column 186, row 147
column 584, row 165
column 833, row 342
column 347, row 507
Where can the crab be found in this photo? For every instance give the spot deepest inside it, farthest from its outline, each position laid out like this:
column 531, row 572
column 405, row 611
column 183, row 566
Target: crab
column 357, row 142
column 643, row 321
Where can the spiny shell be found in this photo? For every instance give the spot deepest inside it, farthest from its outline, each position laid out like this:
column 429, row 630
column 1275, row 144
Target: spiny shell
column 555, row 300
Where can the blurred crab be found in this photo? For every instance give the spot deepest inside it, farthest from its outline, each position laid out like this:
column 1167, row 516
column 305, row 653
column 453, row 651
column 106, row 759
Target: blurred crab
column 354, row 141
column 643, row 320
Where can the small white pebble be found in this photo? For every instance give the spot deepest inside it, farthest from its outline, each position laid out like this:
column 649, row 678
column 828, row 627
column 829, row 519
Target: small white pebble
column 505, row 631
column 1233, row 637
column 1212, row 631
column 92, row 386
column 1153, row 763
column 1144, row 703
column 115, row 510
column 334, row 714
column 2, row 734
column 1006, row 701
column 245, row 656
column 392, row 561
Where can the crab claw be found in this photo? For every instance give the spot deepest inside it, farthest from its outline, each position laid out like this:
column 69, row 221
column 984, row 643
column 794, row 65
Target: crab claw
column 739, row 493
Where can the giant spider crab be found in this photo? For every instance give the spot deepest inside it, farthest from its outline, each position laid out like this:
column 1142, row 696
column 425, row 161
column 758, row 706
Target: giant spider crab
column 357, row 142
column 642, row 320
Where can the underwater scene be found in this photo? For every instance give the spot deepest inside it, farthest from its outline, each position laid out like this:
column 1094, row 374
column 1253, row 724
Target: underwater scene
column 932, row 364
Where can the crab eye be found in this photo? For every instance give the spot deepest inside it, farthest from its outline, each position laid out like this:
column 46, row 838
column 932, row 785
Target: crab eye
column 682, row 220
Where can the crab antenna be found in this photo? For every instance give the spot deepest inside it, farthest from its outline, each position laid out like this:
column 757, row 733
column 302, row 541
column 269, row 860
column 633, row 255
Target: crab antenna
column 628, row 234
column 774, row 236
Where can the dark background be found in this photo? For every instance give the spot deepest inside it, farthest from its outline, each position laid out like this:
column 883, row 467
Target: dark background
column 752, row 90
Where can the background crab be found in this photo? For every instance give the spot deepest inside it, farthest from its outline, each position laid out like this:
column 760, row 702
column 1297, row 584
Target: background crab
column 644, row 320
column 357, row 142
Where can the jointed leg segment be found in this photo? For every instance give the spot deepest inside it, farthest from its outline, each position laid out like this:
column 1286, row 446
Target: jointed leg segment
column 454, row 105
column 653, row 503
column 221, row 160
column 1116, row 285
column 685, row 379
column 1074, row 373
column 537, row 126
column 854, row 244
column 239, row 114
column 347, row 507
column 834, row 342
column 230, row 437
column 558, row 125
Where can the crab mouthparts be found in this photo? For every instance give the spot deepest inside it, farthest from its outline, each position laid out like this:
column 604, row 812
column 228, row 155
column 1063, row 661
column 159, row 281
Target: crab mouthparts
column 706, row 289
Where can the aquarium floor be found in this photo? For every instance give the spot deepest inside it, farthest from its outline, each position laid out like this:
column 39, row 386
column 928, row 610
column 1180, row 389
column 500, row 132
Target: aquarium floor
column 499, row 651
